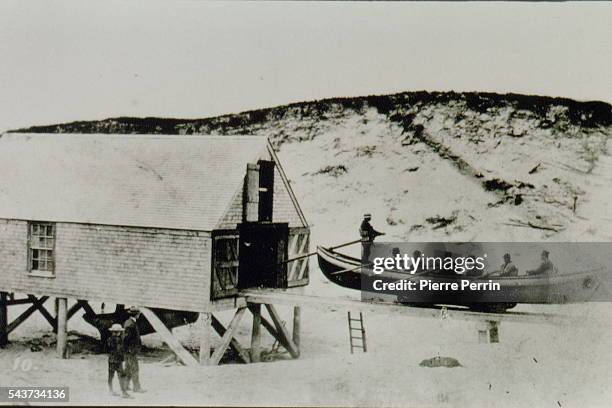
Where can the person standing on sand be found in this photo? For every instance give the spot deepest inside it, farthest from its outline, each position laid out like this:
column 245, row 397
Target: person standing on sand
column 367, row 233
column 132, row 344
column 116, row 357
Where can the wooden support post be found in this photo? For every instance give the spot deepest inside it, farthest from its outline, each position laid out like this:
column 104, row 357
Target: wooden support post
column 256, row 334
column 62, row 320
column 283, row 336
column 488, row 332
column 168, row 338
column 3, row 319
column 234, row 343
column 297, row 311
column 264, row 322
column 227, row 337
column 205, row 324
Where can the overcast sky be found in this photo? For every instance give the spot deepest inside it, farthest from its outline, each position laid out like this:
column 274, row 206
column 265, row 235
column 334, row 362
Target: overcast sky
column 63, row 61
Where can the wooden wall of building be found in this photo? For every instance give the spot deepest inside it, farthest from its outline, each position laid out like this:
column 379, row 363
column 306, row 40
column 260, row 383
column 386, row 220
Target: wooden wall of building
column 145, row 267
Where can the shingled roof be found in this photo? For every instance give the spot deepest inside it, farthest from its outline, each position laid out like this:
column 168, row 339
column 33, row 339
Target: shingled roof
column 156, row 181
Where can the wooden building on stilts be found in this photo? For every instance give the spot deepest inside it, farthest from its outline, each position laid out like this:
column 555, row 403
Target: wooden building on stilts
column 176, row 225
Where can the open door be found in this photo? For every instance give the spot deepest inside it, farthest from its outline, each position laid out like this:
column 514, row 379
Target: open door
column 263, row 250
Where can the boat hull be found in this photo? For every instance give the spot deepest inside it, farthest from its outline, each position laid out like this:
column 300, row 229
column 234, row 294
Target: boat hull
column 548, row 289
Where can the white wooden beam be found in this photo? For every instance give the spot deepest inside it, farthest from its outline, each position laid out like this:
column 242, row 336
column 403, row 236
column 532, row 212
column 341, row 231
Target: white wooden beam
column 168, row 338
column 234, row 343
column 227, row 337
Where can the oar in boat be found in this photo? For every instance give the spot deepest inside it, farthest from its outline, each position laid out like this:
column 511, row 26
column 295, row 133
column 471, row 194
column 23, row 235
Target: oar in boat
column 315, row 252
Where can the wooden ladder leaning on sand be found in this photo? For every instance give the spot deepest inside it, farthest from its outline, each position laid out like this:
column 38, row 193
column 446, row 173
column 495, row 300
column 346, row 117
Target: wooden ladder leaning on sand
column 357, row 328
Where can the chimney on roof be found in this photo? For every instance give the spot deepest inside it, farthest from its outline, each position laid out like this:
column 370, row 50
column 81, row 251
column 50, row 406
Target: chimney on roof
column 251, row 194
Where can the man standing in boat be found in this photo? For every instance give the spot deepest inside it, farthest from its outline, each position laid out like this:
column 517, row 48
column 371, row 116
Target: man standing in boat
column 368, row 234
column 545, row 268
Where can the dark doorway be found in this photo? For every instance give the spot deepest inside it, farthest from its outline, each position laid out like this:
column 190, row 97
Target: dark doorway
column 266, row 190
column 263, row 250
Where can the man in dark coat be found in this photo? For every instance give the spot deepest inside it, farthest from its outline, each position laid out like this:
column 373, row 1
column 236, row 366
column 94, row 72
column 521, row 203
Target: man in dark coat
column 367, row 233
column 116, row 356
column 132, row 344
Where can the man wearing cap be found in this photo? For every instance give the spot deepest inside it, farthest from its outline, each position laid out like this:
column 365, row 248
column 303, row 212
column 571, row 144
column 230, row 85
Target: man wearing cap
column 132, row 344
column 545, row 268
column 116, row 356
column 368, row 233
